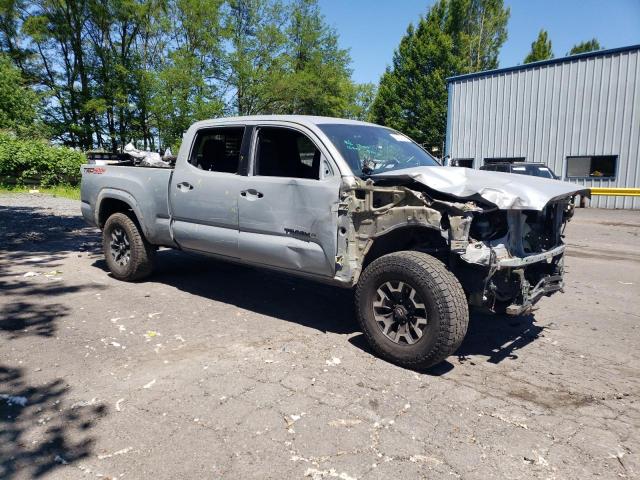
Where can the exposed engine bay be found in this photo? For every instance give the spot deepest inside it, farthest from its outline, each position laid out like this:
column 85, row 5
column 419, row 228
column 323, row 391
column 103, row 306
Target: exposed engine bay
column 505, row 259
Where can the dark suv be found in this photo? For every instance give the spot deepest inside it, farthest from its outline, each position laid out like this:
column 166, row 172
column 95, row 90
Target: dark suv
column 521, row 168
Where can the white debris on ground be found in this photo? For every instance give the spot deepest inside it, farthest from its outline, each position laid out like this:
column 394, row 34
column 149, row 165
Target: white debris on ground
column 316, row 474
column 150, row 384
column 115, row 454
column 425, row 459
column 333, row 361
column 14, row 400
column 31, row 274
column 291, row 419
column 343, row 422
column 118, row 402
column 86, row 403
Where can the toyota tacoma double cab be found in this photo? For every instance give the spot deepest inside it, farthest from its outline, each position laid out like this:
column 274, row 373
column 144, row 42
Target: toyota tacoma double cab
column 349, row 203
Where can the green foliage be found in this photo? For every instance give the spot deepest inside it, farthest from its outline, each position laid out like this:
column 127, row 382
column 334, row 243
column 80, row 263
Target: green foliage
column 363, row 95
column 17, row 101
column 285, row 59
column 584, row 47
column 318, row 79
column 456, row 36
column 478, row 29
column 67, row 191
column 540, row 49
column 29, row 161
column 116, row 71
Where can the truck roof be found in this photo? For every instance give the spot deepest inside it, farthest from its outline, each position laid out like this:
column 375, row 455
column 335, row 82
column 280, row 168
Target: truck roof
column 307, row 120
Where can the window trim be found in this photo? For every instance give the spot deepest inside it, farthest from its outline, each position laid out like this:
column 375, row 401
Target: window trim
column 310, row 135
column 240, row 171
column 582, row 177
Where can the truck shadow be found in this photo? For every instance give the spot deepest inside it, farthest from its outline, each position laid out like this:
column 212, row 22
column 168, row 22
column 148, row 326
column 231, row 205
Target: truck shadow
column 304, row 302
column 493, row 338
column 323, row 307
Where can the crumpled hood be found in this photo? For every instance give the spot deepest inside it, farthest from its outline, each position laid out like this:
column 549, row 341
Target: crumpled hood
column 504, row 190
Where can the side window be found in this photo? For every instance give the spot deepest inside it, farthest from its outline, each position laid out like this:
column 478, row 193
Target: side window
column 217, row 149
column 281, row 152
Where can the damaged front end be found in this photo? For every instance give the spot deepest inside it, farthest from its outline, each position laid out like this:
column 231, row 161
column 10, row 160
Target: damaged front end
column 518, row 254
column 505, row 259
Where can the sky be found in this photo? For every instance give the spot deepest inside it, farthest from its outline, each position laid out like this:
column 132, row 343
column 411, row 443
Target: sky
column 372, row 29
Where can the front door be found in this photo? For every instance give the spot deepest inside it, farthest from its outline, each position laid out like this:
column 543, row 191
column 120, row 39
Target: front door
column 204, row 193
column 288, row 204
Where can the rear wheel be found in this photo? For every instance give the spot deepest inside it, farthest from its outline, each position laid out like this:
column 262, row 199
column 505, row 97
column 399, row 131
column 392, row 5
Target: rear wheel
column 412, row 310
column 129, row 256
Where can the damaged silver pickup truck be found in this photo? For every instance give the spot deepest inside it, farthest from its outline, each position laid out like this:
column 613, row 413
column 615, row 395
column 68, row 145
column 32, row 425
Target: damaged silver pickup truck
column 349, row 203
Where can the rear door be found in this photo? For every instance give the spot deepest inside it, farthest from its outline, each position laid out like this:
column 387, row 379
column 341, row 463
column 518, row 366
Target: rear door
column 288, row 206
column 204, row 192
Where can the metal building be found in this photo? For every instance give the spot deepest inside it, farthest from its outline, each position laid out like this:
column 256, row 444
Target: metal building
column 580, row 115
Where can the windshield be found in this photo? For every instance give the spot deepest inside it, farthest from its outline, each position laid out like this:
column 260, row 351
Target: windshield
column 535, row 170
column 370, row 150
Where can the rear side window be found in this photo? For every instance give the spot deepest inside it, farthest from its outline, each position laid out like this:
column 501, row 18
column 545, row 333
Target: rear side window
column 282, row 152
column 217, row 149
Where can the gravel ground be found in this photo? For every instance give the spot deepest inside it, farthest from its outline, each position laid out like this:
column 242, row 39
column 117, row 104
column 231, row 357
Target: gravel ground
column 216, row 371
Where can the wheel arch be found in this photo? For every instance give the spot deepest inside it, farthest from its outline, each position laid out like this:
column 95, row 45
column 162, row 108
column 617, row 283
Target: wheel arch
column 404, row 237
column 112, row 201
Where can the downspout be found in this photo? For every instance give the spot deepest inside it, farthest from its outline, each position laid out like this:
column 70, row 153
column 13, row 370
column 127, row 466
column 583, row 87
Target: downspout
column 447, row 141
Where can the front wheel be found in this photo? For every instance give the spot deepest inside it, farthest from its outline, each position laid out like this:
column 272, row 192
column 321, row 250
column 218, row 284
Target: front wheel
column 129, row 256
column 412, row 310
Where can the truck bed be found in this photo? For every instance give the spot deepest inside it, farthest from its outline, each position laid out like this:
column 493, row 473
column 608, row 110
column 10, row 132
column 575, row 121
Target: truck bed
column 146, row 189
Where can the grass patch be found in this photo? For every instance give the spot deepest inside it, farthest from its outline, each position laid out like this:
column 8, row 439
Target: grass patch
column 66, row 191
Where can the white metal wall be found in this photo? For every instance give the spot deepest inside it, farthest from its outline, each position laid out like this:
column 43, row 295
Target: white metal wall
column 577, row 107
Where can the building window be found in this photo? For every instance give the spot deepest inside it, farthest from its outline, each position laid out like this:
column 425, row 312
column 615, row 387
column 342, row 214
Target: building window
column 503, row 160
column 462, row 162
column 601, row 166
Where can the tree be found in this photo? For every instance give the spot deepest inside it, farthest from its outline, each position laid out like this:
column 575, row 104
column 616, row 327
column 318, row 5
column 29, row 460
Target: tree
column 412, row 96
column 18, row 103
column 115, row 71
column 540, row 49
column 363, row 95
column 584, row 47
column 286, row 60
column 479, row 29
column 254, row 61
column 456, row 36
column 318, row 80
column 185, row 87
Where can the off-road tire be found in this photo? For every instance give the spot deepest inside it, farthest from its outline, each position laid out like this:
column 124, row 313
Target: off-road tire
column 444, row 300
column 140, row 264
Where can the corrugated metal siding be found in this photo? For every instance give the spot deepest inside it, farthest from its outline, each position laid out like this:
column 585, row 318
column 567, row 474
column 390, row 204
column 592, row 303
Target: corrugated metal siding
column 579, row 107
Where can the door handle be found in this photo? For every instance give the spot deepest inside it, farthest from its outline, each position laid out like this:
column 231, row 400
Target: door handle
column 252, row 193
column 184, row 186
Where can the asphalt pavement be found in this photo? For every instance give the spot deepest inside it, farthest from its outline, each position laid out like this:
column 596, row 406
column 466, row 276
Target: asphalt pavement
column 210, row 370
